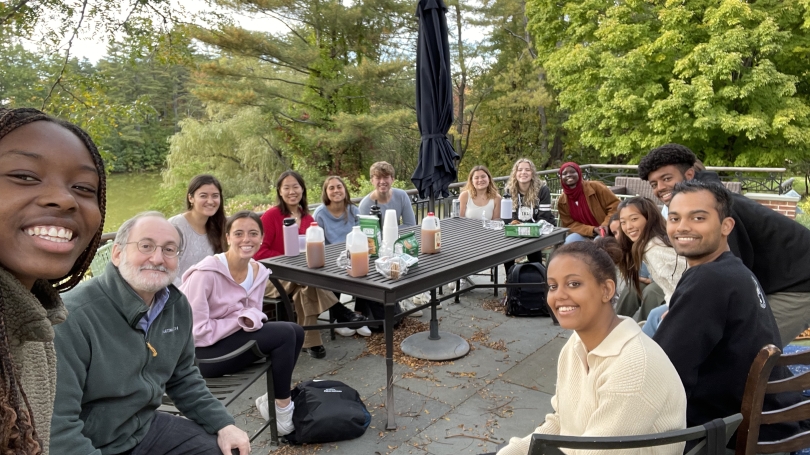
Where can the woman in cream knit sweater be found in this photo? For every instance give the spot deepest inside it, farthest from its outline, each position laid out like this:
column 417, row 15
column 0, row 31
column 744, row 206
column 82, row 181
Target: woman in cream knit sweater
column 612, row 380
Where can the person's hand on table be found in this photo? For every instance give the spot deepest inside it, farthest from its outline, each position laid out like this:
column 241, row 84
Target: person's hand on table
column 232, row 438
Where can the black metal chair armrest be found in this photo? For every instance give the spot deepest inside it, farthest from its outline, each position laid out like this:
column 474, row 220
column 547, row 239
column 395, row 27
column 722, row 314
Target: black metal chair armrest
column 285, row 299
column 249, row 346
column 712, row 438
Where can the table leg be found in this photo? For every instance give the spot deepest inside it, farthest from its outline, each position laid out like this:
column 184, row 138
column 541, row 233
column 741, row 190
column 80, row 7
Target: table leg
column 389, row 367
column 495, row 275
column 285, row 299
column 434, row 320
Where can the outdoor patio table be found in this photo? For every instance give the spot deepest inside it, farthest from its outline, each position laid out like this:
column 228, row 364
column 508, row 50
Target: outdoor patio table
column 467, row 248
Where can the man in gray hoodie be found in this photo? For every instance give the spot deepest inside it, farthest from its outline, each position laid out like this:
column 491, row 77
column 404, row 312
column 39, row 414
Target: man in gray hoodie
column 127, row 342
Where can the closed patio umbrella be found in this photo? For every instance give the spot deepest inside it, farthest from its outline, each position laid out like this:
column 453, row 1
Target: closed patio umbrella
column 437, row 168
column 434, row 103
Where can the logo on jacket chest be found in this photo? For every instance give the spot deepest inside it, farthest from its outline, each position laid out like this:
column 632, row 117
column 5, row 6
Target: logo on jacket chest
column 760, row 293
column 171, row 329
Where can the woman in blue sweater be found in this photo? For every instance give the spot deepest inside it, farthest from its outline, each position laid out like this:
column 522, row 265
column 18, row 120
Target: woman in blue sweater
column 338, row 214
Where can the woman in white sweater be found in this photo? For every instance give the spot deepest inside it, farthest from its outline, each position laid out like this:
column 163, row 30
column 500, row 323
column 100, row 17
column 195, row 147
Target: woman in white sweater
column 646, row 240
column 612, row 380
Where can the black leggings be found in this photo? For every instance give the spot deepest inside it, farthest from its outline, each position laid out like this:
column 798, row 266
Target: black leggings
column 282, row 341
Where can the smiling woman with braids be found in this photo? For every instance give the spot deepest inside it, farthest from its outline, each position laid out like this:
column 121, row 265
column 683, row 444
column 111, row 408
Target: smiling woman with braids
column 53, row 186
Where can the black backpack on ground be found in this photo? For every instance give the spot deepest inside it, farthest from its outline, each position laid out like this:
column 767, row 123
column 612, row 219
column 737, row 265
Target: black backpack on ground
column 327, row 411
column 530, row 300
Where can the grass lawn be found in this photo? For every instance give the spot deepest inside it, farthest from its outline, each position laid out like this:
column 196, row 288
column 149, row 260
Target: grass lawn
column 804, row 219
column 799, row 185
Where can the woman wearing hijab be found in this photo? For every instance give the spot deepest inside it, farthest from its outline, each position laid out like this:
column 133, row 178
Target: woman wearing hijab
column 585, row 205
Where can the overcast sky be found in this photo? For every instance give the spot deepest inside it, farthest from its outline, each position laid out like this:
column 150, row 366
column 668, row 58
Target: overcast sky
column 93, row 48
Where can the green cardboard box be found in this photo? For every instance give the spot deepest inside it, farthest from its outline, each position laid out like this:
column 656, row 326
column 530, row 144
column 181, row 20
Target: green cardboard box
column 522, row 230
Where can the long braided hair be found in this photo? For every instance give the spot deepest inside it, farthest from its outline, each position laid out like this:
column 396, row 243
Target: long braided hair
column 18, row 434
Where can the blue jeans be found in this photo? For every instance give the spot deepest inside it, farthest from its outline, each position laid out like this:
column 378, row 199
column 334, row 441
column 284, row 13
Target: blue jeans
column 654, row 320
column 574, row 237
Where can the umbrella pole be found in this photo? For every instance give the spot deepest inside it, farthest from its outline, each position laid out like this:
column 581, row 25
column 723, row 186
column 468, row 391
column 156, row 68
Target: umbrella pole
column 435, row 345
column 434, row 320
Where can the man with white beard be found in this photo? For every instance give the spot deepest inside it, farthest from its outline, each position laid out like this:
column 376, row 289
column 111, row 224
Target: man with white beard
column 127, row 341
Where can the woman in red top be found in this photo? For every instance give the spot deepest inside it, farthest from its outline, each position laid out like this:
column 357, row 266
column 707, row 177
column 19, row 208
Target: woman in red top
column 291, row 202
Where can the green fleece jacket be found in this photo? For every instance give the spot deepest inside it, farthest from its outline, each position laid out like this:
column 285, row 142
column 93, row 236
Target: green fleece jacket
column 111, row 376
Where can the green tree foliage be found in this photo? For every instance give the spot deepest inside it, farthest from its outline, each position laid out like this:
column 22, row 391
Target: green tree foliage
column 130, row 101
column 79, row 96
column 725, row 77
column 518, row 114
column 333, row 92
column 154, row 78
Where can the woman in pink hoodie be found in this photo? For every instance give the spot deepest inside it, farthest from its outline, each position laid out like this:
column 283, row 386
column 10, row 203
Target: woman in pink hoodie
column 225, row 292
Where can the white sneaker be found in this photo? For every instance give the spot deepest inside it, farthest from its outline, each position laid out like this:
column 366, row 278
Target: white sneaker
column 261, row 405
column 284, row 423
column 423, row 298
column 467, row 282
column 345, row 331
column 364, row 331
column 284, row 419
column 408, row 305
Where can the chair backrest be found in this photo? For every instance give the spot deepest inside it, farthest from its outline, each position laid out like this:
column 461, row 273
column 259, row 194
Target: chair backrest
column 734, row 187
column 756, row 387
column 101, row 259
column 711, row 439
column 637, row 187
column 634, row 186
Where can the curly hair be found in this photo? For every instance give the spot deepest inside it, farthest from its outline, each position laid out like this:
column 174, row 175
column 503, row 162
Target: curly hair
column 18, row 434
column 668, row 154
column 532, row 196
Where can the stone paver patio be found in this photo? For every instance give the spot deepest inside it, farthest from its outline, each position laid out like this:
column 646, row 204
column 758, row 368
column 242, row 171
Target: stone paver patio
column 502, row 388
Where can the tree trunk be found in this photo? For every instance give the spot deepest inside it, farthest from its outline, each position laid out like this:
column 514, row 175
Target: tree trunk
column 462, row 87
column 541, row 110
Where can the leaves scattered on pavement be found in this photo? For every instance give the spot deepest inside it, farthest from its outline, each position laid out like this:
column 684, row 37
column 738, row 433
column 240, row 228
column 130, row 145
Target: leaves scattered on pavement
column 375, row 344
column 495, row 305
column 482, row 336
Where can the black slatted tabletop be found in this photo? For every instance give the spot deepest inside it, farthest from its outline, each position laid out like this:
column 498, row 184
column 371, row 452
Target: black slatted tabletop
column 466, row 248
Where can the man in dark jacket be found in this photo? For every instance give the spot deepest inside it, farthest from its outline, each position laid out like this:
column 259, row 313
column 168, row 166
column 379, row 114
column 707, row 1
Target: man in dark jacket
column 127, row 341
column 774, row 247
column 719, row 318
